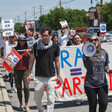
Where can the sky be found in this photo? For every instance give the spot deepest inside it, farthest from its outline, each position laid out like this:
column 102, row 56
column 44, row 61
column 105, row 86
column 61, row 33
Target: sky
column 16, row 9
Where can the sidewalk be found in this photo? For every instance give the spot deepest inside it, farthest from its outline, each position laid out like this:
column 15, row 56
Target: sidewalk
column 5, row 105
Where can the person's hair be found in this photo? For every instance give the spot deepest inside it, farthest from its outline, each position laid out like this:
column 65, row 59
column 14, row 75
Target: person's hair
column 74, row 36
column 62, row 30
column 46, row 28
column 18, row 45
column 98, row 48
column 53, row 37
column 69, row 43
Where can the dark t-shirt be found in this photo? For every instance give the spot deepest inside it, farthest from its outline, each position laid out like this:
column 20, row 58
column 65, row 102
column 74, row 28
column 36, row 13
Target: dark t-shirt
column 44, row 60
column 96, row 68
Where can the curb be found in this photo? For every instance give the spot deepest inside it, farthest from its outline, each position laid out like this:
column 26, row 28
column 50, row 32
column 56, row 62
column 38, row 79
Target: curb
column 6, row 101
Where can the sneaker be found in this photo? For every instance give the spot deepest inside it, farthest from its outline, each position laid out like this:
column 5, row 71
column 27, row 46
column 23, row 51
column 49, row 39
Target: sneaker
column 21, row 108
column 12, row 90
column 27, row 109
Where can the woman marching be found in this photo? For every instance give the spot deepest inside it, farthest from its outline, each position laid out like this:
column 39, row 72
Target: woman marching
column 21, row 72
column 95, row 81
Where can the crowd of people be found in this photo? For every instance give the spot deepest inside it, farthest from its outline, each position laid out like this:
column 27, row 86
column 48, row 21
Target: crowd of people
column 44, row 53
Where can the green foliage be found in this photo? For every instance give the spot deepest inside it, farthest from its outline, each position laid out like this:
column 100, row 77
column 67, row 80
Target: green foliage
column 107, row 15
column 20, row 28
column 74, row 17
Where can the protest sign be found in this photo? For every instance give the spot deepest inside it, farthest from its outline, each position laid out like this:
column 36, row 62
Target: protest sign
column 64, row 24
column 8, row 27
column 11, row 60
column 103, row 27
column 30, row 25
column 83, row 33
column 30, row 41
column 72, row 32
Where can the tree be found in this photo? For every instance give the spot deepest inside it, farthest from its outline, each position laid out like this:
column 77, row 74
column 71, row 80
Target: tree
column 106, row 12
column 74, row 17
column 20, row 28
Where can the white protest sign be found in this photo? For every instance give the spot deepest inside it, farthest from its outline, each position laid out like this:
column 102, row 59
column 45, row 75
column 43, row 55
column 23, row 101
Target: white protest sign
column 8, row 27
column 30, row 41
column 64, row 24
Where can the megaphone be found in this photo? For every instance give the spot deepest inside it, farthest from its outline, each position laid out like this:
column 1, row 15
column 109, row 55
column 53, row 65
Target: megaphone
column 89, row 49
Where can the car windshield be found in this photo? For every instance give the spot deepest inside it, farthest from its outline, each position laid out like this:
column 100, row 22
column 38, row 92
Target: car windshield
column 95, row 30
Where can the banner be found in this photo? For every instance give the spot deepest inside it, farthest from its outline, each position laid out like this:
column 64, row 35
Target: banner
column 73, row 73
column 11, row 60
column 8, row 27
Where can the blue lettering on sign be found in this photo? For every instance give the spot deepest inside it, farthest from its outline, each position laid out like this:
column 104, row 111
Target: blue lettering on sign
column 15, row 60
column 64, row 59
column 77, row 56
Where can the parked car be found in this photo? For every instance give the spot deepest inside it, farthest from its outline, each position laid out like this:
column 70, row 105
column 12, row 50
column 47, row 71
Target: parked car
column 92, row 31
column 106, row 37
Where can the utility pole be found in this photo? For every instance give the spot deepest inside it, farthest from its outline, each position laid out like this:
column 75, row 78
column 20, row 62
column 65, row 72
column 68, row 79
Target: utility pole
column 18, row 19
column 100, row 13
column 34, row 18
column 15, row 20
column 41, row 7
column 25, row 18
column 60, row 3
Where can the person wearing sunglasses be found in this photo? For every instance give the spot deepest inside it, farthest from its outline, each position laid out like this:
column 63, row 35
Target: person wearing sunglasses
column 95, row 81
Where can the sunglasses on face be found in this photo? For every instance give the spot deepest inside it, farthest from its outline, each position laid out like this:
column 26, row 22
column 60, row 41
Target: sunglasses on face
column 95, row 40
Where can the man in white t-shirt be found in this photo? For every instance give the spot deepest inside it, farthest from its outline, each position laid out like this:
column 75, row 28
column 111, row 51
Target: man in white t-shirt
column 63, row 39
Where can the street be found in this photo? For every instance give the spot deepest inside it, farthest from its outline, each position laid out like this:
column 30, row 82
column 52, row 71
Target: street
column 68, row 106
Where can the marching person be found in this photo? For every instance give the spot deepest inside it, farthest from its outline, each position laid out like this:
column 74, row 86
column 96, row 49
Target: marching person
column 95, row 81
column 8, row 46
column 55, row 39
column 63, row 39
column 45, row 52
column 21, row 71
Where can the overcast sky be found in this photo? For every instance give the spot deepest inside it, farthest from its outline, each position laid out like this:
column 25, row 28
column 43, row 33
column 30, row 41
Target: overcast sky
column 16, row 9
